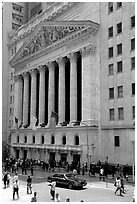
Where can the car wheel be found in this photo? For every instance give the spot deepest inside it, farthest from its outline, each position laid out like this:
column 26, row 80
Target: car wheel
column 70, row 186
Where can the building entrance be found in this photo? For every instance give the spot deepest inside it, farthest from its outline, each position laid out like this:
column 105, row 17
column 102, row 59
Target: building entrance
column 63, row 158
column 52, row 156
column 25, row 154
column 76, row 160
column 17, row 154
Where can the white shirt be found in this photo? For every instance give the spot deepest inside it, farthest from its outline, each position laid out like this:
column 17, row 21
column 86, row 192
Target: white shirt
column 53, row 185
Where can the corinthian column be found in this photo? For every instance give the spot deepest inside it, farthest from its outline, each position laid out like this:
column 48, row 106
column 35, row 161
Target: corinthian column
column 33, row 94
column 89, row 75
column 18, row 104
column 61, row 106
column 73, row 87
column 26, row 98
column 51, row 96
column 42, row 70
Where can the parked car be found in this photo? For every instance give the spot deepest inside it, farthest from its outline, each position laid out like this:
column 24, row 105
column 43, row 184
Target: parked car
column 67, row 180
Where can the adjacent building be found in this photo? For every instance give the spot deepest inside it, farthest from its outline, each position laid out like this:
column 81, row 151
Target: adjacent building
column 78, row 60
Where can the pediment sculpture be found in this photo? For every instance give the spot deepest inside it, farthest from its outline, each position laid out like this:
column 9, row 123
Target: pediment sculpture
column 46, row 37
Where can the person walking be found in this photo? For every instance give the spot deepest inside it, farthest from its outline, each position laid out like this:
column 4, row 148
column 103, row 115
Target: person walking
column 15, row 178
column 29, row 185
column 122, row 184
column 8, row 179
column 52, row 189
column 101, row 174
column 15, row 188
column 5, row 179
column 118, row 185
column 34, row 198
column 57, row 198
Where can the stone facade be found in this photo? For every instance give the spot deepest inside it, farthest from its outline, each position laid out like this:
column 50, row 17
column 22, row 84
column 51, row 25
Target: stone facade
column 62, row 66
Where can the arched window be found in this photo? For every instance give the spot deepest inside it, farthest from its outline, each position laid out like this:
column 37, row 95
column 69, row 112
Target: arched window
column 52, row 139
column 42, row 139
column 33, row 139
column 25, row 139
column 18, row 139
column 64, row 140
column 76, row 140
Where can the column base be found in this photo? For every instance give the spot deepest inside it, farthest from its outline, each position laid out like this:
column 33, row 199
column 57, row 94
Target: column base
column 89, row 122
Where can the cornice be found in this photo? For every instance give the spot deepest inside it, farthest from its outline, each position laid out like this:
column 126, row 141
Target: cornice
column 74, row 30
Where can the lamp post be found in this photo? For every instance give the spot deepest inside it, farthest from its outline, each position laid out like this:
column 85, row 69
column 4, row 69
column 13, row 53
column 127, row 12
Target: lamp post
column 87, row 143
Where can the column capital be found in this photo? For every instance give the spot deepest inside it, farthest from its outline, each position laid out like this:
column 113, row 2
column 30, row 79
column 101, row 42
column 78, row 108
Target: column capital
column 72, row 56
column 42, row 68
column 25, row 74
column 61, row 61
column 33, row 72
column 87, row 50
column 51, row 66
column 17, row 78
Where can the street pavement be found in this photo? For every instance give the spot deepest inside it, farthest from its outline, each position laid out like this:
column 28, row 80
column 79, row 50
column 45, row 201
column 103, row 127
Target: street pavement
column 95, row 191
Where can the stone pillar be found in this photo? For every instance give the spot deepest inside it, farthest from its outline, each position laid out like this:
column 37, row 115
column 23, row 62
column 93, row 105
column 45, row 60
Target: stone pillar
column 51, row 96
column 42, row 70
column 26, row 98
column 88, row 84
column 18, row 104
column 61, row 62
column 73, row 87
column 33, row 94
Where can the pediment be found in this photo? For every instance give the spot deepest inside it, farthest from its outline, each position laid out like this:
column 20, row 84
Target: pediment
column 49, row 35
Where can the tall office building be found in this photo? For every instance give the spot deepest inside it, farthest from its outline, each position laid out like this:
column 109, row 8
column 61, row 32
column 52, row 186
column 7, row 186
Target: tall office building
column 78, row 60
column 12, row 19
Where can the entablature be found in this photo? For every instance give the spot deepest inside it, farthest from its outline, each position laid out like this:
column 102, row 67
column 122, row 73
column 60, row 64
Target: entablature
column 51, row 35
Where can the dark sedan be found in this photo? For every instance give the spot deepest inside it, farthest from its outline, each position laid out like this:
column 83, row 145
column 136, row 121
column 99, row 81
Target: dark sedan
column 67, row 180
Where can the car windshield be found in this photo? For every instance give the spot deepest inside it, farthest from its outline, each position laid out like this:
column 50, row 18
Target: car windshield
column 70, row 175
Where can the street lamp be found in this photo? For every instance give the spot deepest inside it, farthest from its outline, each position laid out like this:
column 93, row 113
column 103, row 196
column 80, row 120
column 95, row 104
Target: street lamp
column 87, row 143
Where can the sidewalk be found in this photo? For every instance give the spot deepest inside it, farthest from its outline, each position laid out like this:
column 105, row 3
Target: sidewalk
column 7, row 195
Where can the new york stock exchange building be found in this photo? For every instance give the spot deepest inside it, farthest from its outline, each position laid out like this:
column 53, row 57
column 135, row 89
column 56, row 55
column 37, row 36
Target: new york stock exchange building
column 57, row 69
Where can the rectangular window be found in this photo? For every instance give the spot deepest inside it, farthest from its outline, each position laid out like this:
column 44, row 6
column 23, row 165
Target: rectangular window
column 10, row 99
column 133, row 44
column 110, row 52
column 11, row 88
column 119, row 4
column 120, row 91
column 119, row 67
column 9, row 123
column 111, row 69
column 133, row 88
column 119, row 49
column 111, row 93
column 132, row 62
column 15, row 26
column 119, row 28
column 110, row 7
column 132, row 21
column 110, row 32
column 116, row 141
column 133, row 112
column 11, row 76
column 111, row 114
column 10, row 111
column 121, row 113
